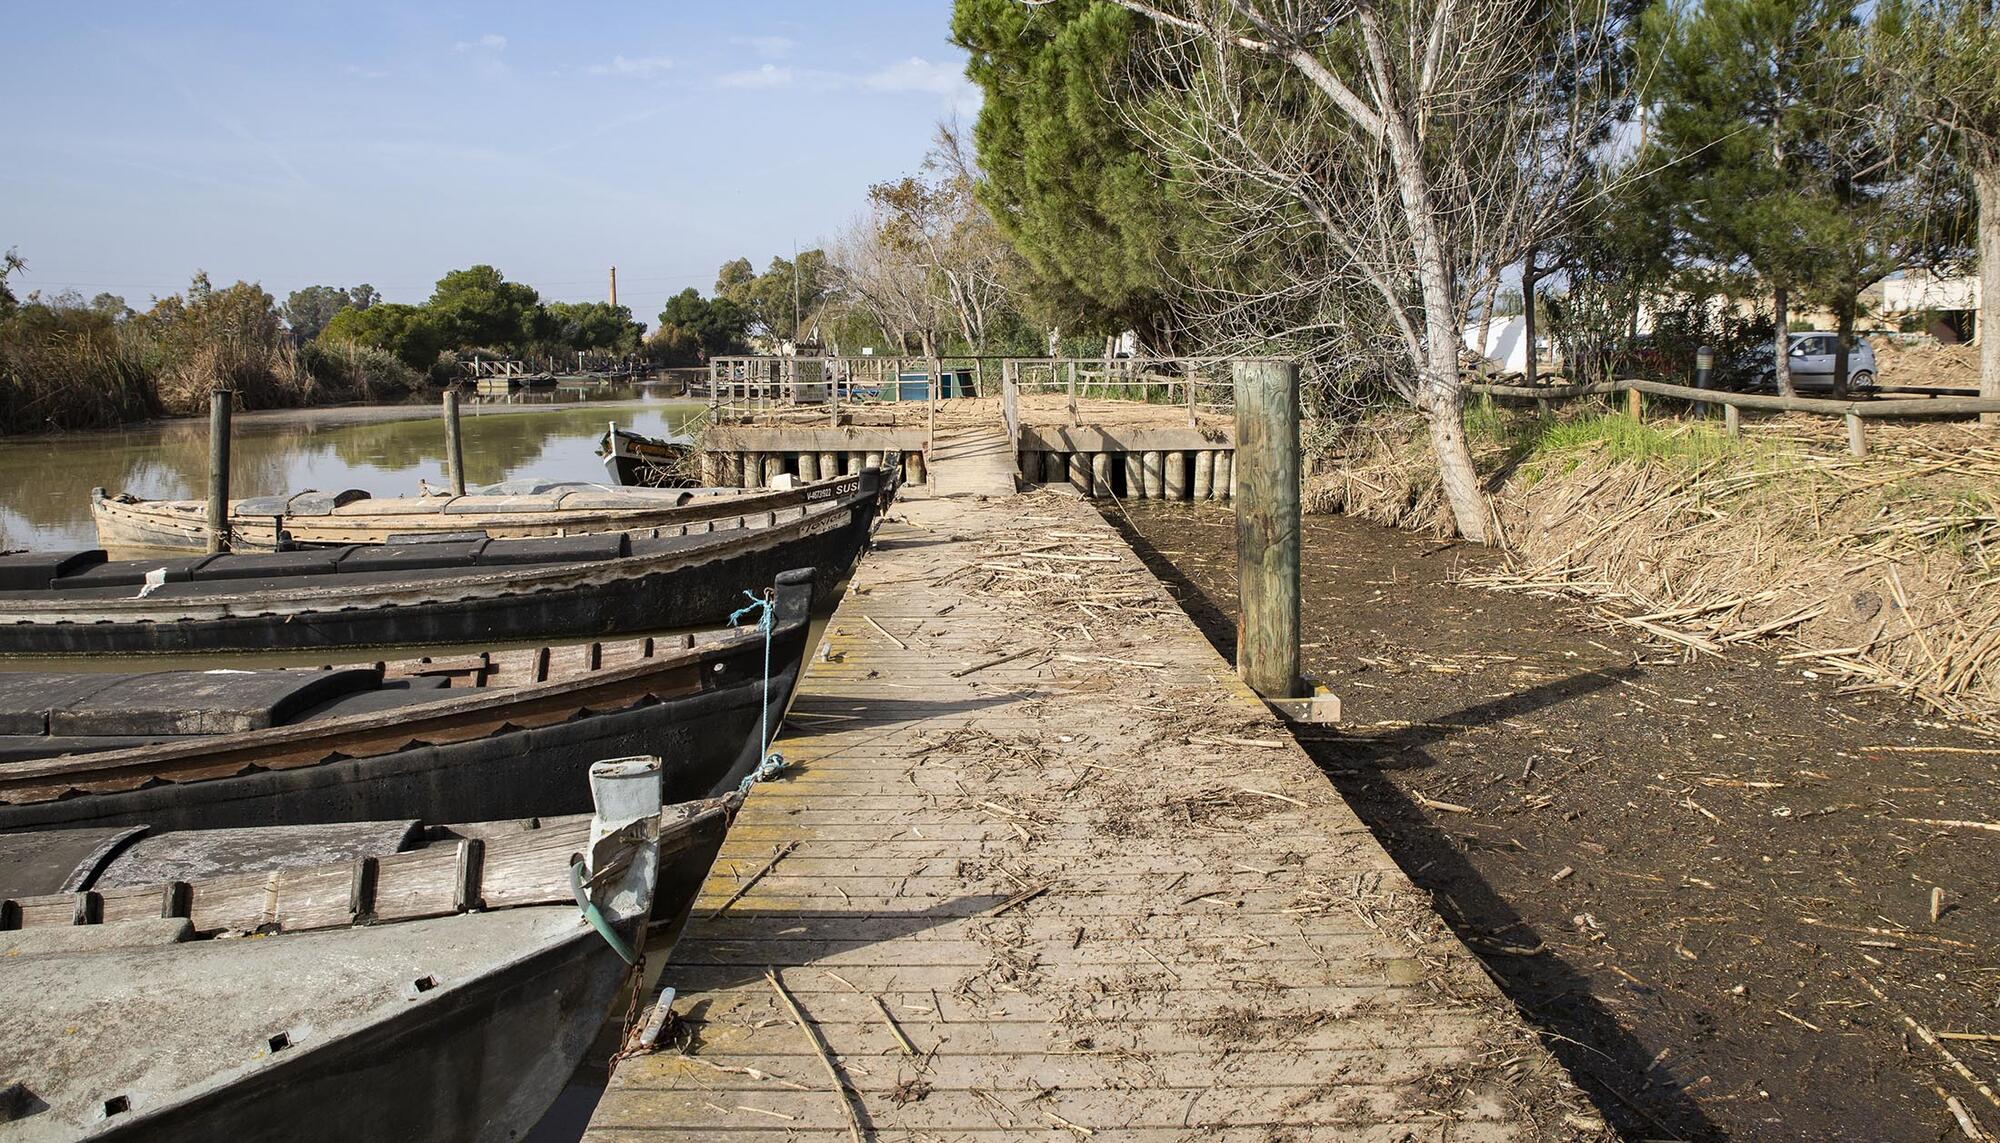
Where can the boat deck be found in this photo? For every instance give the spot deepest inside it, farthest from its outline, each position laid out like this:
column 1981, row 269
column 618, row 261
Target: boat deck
column 1043, row 868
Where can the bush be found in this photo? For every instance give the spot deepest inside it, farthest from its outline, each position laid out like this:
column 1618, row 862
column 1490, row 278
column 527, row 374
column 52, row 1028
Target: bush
column 347, row 372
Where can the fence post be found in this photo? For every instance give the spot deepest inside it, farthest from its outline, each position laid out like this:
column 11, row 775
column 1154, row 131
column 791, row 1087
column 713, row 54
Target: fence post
column 454, row 448
column 1857, row 435
column 1267, row 525
column 1073, row 422
column 1187, row 382
column 220, row 405
column 1732, row 420
column 1635, row 404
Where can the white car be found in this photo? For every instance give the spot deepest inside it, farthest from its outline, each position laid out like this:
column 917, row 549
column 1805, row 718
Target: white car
column 1812, row 363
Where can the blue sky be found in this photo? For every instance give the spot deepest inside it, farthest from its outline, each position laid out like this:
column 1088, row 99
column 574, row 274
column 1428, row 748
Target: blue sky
column 294, row 144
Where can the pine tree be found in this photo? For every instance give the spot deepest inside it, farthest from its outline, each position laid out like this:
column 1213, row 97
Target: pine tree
column 1741, row 118
column 1068, row 181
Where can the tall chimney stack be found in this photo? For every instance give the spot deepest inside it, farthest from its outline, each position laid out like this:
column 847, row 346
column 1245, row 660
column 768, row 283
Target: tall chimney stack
column 614, row 285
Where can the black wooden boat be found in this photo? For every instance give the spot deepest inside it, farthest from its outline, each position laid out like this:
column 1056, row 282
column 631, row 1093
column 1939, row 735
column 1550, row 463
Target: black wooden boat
column 442, row 590
column 498, row 734
column 635, row 460
column 411, row 985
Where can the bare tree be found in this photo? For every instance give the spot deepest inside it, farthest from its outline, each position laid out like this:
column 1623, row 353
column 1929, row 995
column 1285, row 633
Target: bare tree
column 928, row 256
column 1363, row 165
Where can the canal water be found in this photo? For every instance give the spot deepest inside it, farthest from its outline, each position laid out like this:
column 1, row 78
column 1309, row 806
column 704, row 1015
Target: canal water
column 45, row 481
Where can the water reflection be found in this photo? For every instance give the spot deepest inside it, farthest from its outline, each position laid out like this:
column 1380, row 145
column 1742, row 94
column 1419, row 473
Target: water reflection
column 45, row 482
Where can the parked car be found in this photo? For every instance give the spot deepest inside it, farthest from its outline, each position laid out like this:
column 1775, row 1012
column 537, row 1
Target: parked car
column 1812, row 364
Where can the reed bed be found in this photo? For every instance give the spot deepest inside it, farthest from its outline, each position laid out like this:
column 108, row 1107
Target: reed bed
column 1880, row 569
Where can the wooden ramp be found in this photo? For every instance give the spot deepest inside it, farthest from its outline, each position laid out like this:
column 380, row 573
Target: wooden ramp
column 972, row 462
column 1044, row 869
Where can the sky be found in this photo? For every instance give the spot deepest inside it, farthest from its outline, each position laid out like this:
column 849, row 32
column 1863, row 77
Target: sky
column 294, row 144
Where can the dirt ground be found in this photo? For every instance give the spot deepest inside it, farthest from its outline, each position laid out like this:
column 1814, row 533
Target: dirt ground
column 1700, row 880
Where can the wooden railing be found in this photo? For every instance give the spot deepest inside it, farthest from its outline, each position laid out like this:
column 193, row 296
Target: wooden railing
column 1855, row 412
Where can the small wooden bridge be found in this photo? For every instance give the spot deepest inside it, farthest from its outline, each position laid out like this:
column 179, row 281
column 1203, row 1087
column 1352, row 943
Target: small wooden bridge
column 1045, row 869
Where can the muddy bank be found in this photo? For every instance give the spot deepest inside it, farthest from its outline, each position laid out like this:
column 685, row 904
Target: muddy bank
column 1698, row 879
column 1880, row 570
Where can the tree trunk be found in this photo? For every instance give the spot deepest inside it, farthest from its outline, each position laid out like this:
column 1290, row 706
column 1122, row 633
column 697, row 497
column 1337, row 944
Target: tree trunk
column 1781, row 342
column 1986, row 186
column 1528, row 315
column 1844, row 333
column 1455, row 470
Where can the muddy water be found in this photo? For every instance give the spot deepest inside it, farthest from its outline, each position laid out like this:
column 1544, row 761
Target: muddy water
column 45, row 482
column 1702, row 880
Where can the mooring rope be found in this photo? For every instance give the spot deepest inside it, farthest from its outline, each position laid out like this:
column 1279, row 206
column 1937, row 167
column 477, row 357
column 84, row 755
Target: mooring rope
column 596, row 918
column 769, row 764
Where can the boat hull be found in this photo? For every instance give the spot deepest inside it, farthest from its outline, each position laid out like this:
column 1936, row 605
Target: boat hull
column 309, row 520
column 522, row 757
column 698, row 585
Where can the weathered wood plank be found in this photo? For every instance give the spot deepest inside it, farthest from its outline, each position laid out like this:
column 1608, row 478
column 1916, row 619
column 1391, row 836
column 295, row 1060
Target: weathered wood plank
column 1095, row 886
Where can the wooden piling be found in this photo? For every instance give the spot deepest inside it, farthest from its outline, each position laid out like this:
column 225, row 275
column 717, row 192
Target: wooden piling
column 774, row 467
column 1100, row 474
column 1267, row 526
column 1177, row 475
column 454, row 445
column 1079, row 472
column 1156, row 476
column 1732, row 420
column 872, row 459
column 854, row 464
column 829, row 465
column 808, row 466
column 1857, row 435
column 1204, row 474
column 1225, row 475
column 1135, row 476
column 220, row 405
column 753, row 469
column 1054, row 468
column 913, row 467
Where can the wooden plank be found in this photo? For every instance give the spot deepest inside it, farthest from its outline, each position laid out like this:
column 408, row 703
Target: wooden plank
column 1094, row 896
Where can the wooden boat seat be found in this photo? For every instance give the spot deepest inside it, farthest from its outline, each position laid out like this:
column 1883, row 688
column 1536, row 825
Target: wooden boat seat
column 144, row 932
column 170, row 702
column 311, row 502
column 410, row 556
column 33, row 571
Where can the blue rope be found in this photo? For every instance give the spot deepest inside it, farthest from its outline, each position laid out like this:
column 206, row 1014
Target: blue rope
column 768, row 763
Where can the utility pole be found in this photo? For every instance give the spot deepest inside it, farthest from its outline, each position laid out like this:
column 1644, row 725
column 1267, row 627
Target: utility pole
column 614, row 286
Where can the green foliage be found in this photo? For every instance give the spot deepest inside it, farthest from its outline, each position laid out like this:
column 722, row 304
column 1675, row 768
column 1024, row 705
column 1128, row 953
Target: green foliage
column 768, row 300
column 414, row 334
column 308, row 311
column 593, row 327
column 479, row 307
column 1771, row 162
column 1619, row 437
column 1069, row 182
column 10, row 264
column 358, row 372
column 694, row 329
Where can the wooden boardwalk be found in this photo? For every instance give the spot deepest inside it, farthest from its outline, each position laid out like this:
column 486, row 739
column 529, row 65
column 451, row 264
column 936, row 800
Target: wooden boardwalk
column 1044, row 869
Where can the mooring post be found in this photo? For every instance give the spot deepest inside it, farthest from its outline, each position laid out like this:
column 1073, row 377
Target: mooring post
column 1267, row 525
column 220, row 403
column 454, row 447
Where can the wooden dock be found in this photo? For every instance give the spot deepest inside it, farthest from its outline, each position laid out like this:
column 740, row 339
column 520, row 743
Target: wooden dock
column 1045, row 869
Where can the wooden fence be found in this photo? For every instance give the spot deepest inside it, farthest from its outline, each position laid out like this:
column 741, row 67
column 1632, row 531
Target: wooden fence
column 1857, row 413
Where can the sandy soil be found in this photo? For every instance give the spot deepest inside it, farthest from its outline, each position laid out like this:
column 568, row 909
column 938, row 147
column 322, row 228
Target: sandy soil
column 1699, row 880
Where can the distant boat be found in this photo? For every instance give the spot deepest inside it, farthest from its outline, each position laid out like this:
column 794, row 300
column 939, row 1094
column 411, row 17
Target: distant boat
column 635, row 460
column 444, row 590
column 491, row 734
column 388, row 981
column 511, row 511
